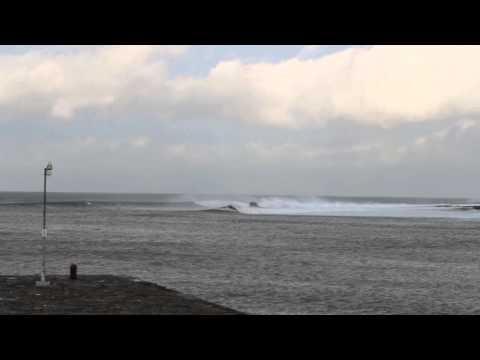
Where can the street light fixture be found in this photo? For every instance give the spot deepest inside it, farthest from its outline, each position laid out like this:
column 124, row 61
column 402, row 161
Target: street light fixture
column 46, row 172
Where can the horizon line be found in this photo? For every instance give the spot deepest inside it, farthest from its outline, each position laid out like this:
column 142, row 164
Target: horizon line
column 238, row 194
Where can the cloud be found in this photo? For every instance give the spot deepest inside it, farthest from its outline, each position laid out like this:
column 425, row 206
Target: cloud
column 310, row 50
column 383, row 86
column 467, row 124
column 296, row 151
column 60, row 84
column 380, row 85
column 139, row 142
column 422, row 140
column 88, row 141
column 456, row 128
column 315, row 51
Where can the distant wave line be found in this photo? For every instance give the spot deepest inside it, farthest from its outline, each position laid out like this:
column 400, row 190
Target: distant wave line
column 98, row 203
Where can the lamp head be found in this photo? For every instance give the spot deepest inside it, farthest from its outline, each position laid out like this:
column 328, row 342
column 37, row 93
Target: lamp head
column 49, row 168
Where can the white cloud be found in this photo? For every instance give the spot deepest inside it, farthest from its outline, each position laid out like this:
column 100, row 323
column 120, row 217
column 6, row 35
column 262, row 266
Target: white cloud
column 379, row 85
column 467, row 124
column 422, row 140
column 89, row 140
column 85, row 78
column 194, row 153
column 441, row 134
column 293, row 151
column 457, row 128
column 177, row 150
column 139, row 142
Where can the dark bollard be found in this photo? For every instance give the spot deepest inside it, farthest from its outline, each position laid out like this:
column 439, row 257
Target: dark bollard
column 73, row 272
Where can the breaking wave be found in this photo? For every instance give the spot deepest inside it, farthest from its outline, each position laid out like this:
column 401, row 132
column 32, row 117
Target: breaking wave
column 289, row 206
column 384, row 207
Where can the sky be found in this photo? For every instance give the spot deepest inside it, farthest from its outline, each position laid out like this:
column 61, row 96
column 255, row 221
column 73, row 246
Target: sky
column 297, row 119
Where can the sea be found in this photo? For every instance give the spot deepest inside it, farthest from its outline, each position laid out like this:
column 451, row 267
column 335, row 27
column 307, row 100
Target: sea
column 260, row 254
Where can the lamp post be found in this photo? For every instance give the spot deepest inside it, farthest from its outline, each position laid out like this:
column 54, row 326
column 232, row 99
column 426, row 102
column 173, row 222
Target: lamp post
column 46, row 172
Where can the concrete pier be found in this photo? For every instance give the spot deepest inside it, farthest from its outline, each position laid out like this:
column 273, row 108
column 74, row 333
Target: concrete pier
column 98, row 294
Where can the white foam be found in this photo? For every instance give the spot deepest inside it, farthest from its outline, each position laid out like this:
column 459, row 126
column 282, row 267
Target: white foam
column 318, row 206
column 290, row 206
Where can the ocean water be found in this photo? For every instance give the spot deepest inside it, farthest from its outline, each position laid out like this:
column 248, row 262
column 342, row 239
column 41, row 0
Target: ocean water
column 289, row 255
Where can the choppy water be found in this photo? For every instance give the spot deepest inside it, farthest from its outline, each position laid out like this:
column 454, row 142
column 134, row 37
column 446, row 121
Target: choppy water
column 317, row 255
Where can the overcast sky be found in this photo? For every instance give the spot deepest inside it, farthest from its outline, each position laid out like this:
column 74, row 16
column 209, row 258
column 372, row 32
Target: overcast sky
column 306, row 120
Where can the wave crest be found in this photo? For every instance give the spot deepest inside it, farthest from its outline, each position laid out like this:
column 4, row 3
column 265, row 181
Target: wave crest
column 290, row 206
